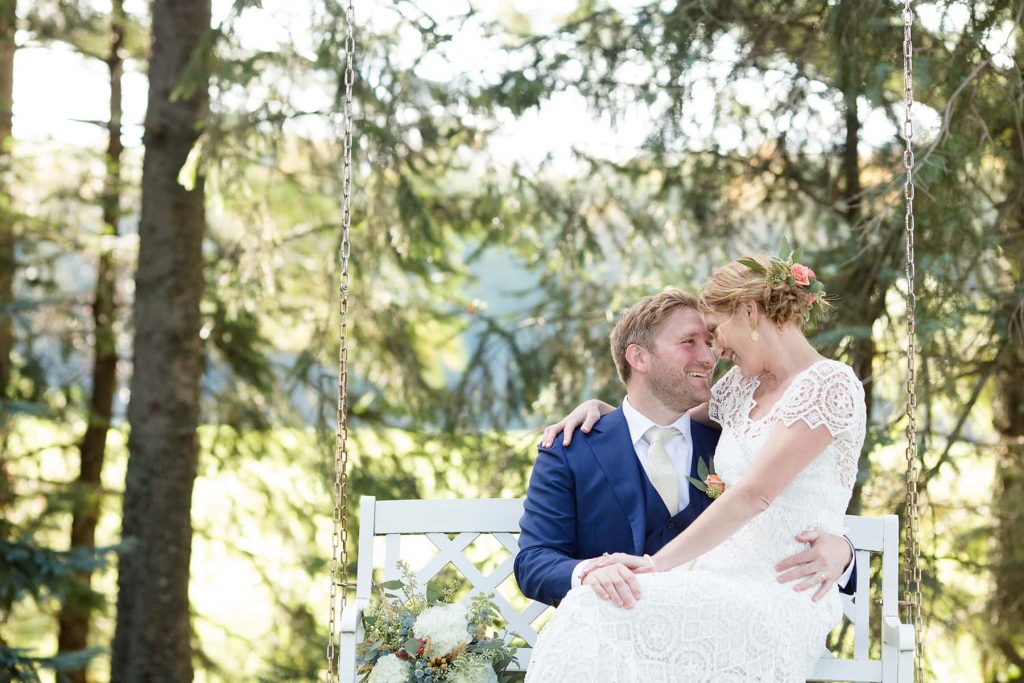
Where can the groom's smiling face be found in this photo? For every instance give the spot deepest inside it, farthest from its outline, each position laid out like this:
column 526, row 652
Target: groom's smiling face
column 681, row 361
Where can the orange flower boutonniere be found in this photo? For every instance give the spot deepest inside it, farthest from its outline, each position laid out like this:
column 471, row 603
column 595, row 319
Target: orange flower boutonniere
column 710, row 484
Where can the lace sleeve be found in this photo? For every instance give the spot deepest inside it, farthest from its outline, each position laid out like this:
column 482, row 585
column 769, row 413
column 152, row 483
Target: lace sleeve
column 827, row 394
column 725, row 397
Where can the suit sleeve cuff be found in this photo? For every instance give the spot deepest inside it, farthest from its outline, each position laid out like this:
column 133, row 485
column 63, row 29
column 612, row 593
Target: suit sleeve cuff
column 844, row 578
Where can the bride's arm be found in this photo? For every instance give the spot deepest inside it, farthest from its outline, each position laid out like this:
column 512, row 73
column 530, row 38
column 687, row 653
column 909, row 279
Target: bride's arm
column 788, row 451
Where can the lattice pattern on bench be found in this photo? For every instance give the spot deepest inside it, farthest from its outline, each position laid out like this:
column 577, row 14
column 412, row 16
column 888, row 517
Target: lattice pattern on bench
column 454, row 526
column 452, row 551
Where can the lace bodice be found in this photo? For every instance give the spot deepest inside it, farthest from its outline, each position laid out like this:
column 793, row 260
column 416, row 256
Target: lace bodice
column 826, row 393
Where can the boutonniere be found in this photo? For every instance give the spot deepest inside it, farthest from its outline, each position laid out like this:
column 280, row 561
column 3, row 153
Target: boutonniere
column 710, row 484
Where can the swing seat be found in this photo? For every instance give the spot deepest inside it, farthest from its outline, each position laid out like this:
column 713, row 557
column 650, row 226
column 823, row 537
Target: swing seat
column 453, row 526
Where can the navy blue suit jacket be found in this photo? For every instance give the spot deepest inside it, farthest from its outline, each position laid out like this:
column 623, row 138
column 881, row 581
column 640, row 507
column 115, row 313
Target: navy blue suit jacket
column 593, row 497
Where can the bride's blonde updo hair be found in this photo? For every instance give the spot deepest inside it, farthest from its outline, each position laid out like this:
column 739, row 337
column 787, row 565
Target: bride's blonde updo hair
column 736, row 283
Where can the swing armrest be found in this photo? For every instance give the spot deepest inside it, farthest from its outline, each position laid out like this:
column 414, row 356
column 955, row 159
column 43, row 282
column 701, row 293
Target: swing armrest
column 897, row 634
column 898, row 640
column 352, row 615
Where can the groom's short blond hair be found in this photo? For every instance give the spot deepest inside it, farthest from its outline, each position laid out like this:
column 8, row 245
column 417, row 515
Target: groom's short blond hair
column 640, row 322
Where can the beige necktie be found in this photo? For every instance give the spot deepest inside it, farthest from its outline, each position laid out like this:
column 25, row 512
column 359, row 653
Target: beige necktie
column 660, row 470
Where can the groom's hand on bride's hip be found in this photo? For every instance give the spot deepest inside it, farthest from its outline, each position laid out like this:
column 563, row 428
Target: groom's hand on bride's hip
column 614, row 582
column 818, row 567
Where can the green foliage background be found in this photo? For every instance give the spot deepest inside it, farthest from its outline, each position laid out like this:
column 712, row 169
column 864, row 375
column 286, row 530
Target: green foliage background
column 484, row 289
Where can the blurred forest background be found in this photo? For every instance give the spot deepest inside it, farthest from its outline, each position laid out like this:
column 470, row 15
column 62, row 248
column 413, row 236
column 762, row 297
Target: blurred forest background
column 170, row 182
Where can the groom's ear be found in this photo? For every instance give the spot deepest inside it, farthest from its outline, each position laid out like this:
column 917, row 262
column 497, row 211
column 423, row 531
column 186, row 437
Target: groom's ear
column 636, row 356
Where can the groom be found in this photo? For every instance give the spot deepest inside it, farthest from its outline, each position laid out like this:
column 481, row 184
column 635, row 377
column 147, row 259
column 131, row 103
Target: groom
column 624, row 487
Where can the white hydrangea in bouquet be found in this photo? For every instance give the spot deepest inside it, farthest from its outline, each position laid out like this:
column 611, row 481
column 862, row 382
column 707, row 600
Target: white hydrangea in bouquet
column 388, row 669
column 446, row 627
column 425, row 638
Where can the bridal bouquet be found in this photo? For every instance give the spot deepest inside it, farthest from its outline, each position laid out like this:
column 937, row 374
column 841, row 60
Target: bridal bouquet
column 425, row 638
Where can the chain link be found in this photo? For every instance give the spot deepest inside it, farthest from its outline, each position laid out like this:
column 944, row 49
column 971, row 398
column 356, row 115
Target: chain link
column 339, row 533
column 912, row 559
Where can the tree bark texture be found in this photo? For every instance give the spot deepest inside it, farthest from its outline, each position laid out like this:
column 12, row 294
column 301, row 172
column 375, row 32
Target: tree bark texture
column 1007, row 606
column 74, row 617
column 151, row 640
column 8, row 22
column 1008, row 512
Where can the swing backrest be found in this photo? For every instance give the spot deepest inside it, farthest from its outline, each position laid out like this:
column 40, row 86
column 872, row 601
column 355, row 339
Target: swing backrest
column 431, row 535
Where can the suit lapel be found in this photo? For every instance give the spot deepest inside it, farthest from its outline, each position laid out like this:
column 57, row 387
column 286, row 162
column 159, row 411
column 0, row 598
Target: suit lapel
column 612, row 448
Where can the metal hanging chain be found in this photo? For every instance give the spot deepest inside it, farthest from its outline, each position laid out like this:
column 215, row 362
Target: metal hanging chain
column 912, row 558
column 339, row 535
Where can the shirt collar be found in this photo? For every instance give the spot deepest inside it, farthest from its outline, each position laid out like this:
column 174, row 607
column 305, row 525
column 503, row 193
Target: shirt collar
column 639, row 423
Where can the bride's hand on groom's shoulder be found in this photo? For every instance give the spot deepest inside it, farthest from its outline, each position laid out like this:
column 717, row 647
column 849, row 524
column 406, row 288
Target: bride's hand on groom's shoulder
column 583, row 416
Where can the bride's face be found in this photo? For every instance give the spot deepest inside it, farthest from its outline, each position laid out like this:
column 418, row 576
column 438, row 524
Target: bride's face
column 731, row 332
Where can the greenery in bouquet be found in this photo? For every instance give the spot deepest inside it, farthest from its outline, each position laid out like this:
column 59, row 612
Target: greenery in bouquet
column 413, row 637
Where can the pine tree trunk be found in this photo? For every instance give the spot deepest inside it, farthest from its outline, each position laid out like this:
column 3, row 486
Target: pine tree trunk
column 8, row 21
column 151, row 640
column 1007, row 607
column 1008, row 512
column 74, row 616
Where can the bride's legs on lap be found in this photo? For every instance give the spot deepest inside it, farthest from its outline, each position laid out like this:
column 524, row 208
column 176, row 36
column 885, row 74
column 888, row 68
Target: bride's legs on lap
column 687, row 626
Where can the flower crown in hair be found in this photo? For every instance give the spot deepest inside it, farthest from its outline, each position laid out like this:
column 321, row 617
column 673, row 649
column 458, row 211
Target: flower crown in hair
column 786, row 269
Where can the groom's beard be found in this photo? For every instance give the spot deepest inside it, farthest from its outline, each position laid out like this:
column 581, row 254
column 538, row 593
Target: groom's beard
column 670, row 385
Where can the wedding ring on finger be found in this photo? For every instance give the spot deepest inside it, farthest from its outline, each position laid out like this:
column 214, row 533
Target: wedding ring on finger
column 821, row 576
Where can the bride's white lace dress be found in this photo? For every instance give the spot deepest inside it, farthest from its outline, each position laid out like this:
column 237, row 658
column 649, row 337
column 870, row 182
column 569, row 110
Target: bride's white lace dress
column 724, row 617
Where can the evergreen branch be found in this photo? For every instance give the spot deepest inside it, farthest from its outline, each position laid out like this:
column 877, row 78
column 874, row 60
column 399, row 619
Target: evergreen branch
column 965, row 413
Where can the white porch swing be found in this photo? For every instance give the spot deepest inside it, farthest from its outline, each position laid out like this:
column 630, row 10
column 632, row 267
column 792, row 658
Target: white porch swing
column 452, row 526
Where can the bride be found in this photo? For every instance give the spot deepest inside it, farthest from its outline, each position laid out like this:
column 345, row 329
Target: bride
column 712, row 608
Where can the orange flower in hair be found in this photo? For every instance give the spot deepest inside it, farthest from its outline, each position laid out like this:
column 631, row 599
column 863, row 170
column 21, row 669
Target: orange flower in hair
column 786, row 269
column 802, row 274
